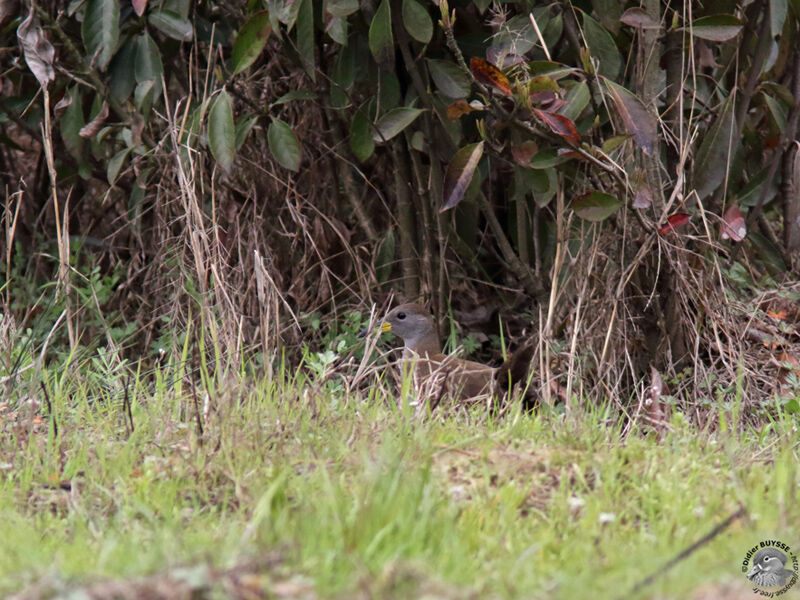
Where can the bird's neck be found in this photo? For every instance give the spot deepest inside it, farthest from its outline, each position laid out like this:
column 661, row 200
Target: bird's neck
column 427, row 343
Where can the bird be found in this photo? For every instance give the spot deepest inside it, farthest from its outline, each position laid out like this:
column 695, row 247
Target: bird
column 768, row 568
column 437, row 375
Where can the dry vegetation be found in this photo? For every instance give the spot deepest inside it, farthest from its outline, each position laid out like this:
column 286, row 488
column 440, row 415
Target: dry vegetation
column 258, row 244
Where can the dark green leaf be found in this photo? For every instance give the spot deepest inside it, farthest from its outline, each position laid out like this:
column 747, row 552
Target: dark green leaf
column 768, row 251
column 417, row 21
column 305, row 37
column 389, row 90
column 715, row 153
column 595, row 206
column 553, row 70
column 552, row 33
column 121, row 71
column 250, row 41
column 577, row 99
column 385, row 257
column 459, row 174
column 792, row 406
column 179, row 7
column 284, row 145
column 776, row 112
column 100, row 30
column 542, row 184
column 614, row 142
column 144, row 94
column 546, row 158
column 221, row 131
column 550, row 25
column 147, row 65
column 418, row 141
column 751, row 192
column 344, row 75
column 361, row 142
column 336, row 28
column 449, row 79
column 341, row 8
column 172, row 25
column 285, row 11
column 344, row 72
column 716, row 28
column 518, row 35
column 381, row 42
column 393, row 122
column 609, row 12
column 243, row 128
column 71, row 123
column 545, row 186
column 602, row 48
column 115, row 164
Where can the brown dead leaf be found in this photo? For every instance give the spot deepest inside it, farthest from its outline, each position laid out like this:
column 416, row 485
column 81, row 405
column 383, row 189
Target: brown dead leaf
column 458, row 109
column 93, row 126
column 487, row 74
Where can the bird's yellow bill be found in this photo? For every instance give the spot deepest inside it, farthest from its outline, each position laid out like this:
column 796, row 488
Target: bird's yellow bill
column 386, row 327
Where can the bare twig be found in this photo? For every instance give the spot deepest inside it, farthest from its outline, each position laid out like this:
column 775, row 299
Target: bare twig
column 690, row 550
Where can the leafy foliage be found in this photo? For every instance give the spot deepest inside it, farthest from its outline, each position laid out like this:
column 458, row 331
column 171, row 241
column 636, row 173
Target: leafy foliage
column 482, row 133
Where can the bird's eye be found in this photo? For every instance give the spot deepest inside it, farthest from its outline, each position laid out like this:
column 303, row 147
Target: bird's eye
column 401, row 316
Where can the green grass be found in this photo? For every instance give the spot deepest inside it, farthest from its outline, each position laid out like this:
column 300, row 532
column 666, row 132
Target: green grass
column 353, row 497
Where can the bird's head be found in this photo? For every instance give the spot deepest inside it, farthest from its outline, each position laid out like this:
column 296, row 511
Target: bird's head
column 767, row 560
column 411, row 322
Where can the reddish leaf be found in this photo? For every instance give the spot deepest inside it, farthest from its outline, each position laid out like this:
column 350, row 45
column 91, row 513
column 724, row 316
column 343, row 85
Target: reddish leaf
column 458, row 109
column 560, row 125
column 459, row 174
column 487, row 74
column 139, row 6
column 524, row 152
column 673, row 222
column 733, row 226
